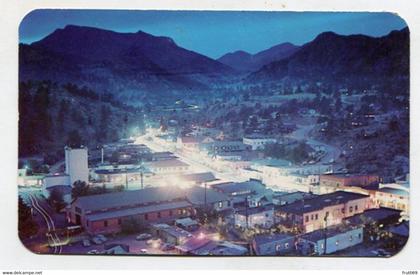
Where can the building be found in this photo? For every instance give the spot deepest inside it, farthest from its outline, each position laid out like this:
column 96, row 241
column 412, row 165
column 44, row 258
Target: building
column 281, row 175
column 158, row 156
column 208, row 199
column 225, row 146
column 170, row 234
column 328, row 241
column 106, row 213
column 54, row 180
column 207, row 247
column 321, row 211
column 251, row 173
column 391, row 197
column 376, row 217
column 245, row 192
column 188, row 143
column 76, row 160
column 118, row 175
column 198, row 178
column 258, row 142
column 187, row 224
column 345, row 180
column 29, row 180
column 273, row 244
column 283, row 198
column 170, row 166
column 262, row 216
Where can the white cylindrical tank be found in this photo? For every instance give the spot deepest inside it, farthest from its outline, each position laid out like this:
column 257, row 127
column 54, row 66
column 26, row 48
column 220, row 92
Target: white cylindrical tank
column 77, row 164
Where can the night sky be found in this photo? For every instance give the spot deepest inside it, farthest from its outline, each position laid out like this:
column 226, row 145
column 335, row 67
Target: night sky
column 214, row 33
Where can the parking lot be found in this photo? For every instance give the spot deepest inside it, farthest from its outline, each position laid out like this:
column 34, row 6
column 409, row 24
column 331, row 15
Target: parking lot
column 136, row 247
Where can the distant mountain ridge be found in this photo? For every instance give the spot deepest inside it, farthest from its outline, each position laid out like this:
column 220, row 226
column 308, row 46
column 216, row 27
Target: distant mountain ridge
column 89, row 55
column 331, row 56
column 246, row 62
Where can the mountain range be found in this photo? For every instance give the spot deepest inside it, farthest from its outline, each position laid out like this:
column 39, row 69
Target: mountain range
column 110, row 59
column 246, row 62
column 336, row 57
column 131, row 62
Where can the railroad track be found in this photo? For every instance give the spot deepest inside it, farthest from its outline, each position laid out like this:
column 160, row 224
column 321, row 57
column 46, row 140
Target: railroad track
column 51, row 234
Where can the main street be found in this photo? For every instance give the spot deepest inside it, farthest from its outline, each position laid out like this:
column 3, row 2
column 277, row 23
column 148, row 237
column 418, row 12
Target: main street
column 194, row 160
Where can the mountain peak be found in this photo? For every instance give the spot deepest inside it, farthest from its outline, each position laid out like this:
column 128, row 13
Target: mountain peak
column 328, row 35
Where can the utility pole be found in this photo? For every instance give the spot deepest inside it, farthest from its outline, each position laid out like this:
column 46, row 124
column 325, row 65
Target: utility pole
column 102, row 154
column 246, row 211
column 325, row 233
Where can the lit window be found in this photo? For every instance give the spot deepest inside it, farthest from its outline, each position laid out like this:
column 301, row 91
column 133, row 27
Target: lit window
column 286, row 245
column 336, row 242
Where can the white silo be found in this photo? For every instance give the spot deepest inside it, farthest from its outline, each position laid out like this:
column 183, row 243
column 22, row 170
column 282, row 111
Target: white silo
column 77, row 164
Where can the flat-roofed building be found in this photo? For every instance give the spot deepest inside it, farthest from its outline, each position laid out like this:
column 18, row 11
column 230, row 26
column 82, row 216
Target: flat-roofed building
column 54, row 180
column 345, row 180
column 262, row 216
column 321, row 242
column 198, row 178
column 170, row 234
column 169, row 166
column 258, row 141
column 321, row 211
column 394, row 198
column 273, row 244
column 105, row 213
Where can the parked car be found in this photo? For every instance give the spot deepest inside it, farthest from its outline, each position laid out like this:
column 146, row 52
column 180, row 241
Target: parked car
column 86, row 243
column 94, row 251
column 167, row 246
column 143, row 237
column 381, row 253
column 143, row 251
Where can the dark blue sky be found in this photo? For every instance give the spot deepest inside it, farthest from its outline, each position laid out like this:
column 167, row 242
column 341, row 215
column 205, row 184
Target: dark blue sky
column 214, row 33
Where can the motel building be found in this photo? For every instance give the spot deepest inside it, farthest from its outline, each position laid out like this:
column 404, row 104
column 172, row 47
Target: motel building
column 321, row 211
column 395, row 198
column 105, row 213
